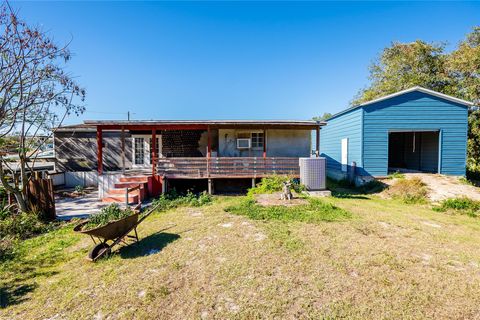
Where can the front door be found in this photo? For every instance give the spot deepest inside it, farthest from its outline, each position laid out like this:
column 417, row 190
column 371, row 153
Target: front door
column 142, row 150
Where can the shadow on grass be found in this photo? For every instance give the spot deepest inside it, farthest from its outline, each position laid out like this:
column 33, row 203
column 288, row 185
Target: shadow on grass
column 343, row 189
column 14, row 294
column 23, row 274
column 149, row 245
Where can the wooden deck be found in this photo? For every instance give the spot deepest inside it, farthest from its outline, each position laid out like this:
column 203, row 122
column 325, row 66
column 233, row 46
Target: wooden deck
column 227, row 167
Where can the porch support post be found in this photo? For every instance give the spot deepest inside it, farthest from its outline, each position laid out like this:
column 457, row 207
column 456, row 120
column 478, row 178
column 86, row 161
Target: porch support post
column 264, row 144
column 317, row 144
column 209, row 143
column 154, row 152
column 123, row 149
column 99, row 150
column 210, row 186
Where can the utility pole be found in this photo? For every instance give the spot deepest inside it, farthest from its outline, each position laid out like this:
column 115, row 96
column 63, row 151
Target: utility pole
column 128, row 115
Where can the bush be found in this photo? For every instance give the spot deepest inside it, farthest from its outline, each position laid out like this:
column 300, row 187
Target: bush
column 5, row 209
column 409, row 190
column 274, row 184
column 22, row 226
column 473, row 173
column 315, row 211
column 7, row 245
column 15, row 226
column 108, row 214
column 396, row 175
column 172, row 200
column 3, row 194
column 462, row 205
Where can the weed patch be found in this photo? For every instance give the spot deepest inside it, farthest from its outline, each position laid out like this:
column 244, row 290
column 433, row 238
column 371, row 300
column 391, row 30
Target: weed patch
column 19, row 226
column 274, row 184
column 461, row 205
column 345, row 189
column 409, row 191
column 315, row 211
column 173, row 200
column 396, row 175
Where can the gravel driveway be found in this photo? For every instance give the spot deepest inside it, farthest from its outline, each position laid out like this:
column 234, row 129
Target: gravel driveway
column 444, row 187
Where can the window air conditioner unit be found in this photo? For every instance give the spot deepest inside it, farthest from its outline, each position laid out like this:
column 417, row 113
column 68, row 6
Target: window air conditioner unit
column 243, row 143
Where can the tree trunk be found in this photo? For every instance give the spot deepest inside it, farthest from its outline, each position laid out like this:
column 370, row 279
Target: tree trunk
column 19, row 196
column 22, row 204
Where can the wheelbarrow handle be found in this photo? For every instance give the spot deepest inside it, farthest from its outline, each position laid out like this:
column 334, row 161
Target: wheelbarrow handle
column 149, row 212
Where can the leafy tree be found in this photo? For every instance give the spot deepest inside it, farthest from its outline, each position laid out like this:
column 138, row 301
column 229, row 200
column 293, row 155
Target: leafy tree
column 325, row 116
column 36, row 93
column 404, row 65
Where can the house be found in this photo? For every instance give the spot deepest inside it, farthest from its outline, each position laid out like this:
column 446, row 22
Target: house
column 149, row 156
column 415, row 129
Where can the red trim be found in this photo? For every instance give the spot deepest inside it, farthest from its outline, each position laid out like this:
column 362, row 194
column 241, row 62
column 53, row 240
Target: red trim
column 157, row 127
column 155, row 185
column 99, row 150
column 264, row 143
column 154, row 153
column 209, row 145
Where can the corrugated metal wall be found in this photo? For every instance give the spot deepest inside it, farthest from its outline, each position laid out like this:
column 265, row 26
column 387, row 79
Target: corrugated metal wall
column 415, row 111
column 349, row 126
column 368, row 128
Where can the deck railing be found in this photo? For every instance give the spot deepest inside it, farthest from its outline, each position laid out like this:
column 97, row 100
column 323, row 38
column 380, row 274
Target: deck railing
column 227, row 167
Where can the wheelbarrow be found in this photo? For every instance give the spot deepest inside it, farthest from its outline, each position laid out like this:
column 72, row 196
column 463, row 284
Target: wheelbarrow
column 112, row 234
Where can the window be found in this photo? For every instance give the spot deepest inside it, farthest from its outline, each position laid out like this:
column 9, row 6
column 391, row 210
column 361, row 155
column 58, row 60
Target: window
column 257, row 139
column 139, row 151
column 247, row 140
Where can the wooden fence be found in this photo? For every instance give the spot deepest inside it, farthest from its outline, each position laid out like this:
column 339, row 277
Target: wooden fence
column 41, row 197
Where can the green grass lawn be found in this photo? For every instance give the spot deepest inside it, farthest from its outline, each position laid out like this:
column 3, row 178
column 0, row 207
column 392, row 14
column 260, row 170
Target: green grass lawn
column 380, row 259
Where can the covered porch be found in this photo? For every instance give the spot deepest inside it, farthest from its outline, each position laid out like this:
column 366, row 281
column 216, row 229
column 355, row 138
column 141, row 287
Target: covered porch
column 164, row 150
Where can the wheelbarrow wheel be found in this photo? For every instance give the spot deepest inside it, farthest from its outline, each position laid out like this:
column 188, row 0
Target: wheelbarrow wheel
column 99, row 250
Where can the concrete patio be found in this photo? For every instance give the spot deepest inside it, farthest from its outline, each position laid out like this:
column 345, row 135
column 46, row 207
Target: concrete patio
column 80, row 207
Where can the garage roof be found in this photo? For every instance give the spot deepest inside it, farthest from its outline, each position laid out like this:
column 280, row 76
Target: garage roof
column 412, row 89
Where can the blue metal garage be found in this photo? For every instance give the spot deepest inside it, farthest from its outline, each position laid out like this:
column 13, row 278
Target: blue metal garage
column 412, row 130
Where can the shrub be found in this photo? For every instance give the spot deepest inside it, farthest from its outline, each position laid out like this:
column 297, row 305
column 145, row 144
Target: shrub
column 396, row 175
column 274, row 184
column 22, row 226
column 409, row 190
column 462, row 205
column 473, row 173
column 5, row 209
column 79, row 189
column 3, row 193
column 15, row 226
column 372, row 186
column 7, row 248
column 315, row 211
column 172, row 200
column 106, row 215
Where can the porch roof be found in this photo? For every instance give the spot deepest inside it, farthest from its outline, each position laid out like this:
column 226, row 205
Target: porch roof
column 203, row 124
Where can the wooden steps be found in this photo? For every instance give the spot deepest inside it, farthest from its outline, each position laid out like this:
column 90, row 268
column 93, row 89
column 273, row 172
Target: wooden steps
column 132, row 199
column 117, row 194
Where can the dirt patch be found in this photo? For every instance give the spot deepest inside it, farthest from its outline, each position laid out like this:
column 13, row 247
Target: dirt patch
column 275, row 200
column 442, row 187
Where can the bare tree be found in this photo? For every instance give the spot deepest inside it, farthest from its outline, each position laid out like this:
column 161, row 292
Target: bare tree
column 36, row 93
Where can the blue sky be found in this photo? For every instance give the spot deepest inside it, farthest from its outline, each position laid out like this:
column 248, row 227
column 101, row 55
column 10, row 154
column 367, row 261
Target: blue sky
column 234, row 60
